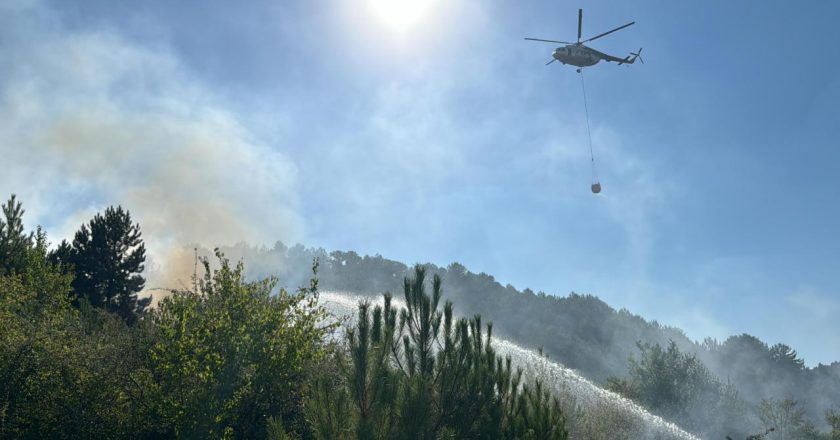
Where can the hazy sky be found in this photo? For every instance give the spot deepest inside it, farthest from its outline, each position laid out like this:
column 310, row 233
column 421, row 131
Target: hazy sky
column 435, row 133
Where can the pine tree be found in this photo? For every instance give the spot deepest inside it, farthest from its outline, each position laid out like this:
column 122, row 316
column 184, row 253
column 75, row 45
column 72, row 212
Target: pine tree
column 786, row 357
column 373, row 385
column 429, row 376
column 14, row 243
column 107, row 257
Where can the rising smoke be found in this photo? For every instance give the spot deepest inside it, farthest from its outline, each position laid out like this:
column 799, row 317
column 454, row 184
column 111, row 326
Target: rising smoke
column 91, row 119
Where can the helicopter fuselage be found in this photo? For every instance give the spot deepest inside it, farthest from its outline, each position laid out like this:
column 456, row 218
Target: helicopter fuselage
column 576, row 55
column 579, row 55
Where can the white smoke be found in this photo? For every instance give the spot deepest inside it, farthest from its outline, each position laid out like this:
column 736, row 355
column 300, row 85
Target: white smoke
column 91, row 119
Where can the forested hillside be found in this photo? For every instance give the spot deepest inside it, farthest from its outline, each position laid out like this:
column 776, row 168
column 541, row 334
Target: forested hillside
column 84, row 355
column 581, row 331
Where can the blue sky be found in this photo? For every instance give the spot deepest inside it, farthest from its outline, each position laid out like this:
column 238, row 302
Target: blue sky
column 322, row 122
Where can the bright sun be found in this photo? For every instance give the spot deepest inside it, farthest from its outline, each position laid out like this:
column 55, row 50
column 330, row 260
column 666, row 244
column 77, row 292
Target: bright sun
column 400, row 15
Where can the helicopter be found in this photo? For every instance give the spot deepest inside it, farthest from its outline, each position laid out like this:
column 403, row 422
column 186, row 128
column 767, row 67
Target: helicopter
column 577, row 54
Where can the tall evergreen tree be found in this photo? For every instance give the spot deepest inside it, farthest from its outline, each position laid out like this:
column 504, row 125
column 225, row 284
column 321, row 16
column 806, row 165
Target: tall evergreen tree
column 14, row 243
column 107, row 257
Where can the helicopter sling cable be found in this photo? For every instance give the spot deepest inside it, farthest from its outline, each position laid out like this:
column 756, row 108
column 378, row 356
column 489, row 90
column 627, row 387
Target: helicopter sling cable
column 596, row 184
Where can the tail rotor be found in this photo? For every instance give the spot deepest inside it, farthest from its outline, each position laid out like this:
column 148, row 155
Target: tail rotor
column 638, row 55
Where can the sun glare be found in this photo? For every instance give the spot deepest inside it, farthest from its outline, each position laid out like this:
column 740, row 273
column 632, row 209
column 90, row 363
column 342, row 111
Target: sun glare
column 400, row 15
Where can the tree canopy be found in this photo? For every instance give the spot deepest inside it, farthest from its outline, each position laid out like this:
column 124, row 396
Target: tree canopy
column 106, row 257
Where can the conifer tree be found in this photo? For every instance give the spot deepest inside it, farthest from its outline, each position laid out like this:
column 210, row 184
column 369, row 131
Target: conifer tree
column 373, row 385
column 429, row 376
column 14, row 243
column 107, row 257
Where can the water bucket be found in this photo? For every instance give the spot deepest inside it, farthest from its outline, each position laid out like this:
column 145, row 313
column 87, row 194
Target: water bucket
column 596, row 187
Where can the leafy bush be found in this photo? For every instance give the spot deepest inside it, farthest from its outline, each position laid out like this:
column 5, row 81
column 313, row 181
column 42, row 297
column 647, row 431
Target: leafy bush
column 226, row 357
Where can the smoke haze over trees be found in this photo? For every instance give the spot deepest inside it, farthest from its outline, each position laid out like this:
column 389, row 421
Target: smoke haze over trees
column 581, row 331
column 230, row 358
column 216, row 357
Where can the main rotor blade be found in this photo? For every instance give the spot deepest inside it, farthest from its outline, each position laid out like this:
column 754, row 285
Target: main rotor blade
column 609, row 32
column 548, row 41
column 580, row 22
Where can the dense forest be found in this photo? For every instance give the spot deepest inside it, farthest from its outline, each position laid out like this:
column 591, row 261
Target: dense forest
column 236, row 354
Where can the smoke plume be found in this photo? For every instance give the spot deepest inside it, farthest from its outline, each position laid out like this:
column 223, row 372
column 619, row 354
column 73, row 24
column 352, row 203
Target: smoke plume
column 91, row 119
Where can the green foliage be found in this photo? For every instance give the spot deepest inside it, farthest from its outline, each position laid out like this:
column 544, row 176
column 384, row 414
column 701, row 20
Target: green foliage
column 275, row 430
column 209, row 364
column 787, row 420
column 832, row 417
column 237, row 359
column 786, row 356
column 107, row 257
column 229, row 355
column 15, row 244
column 328, row 404
column 61, row 370
column 534, row 414
column 240, row 359
column 230, row 360
column 372, row 383
column 32, row 325
column 419, row 373
column 678, row 387
column 580, row 331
